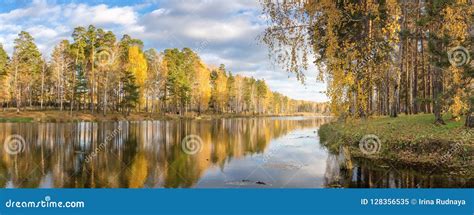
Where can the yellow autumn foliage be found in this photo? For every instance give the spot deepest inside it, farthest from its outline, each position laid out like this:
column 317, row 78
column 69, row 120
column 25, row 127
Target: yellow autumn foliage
column 137, row 64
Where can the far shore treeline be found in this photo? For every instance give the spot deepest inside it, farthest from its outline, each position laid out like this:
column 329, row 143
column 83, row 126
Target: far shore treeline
column 96, row 73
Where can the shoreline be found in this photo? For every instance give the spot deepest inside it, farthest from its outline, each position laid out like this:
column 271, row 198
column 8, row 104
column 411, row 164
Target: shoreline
column 408, row 141
column 65, row 116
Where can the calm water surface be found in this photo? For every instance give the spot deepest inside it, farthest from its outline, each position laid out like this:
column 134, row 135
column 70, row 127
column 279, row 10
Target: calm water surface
column 235, row 153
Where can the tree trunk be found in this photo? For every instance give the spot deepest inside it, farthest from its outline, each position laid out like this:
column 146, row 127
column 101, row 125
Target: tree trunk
column 42, row 86
column 92, row 106
column 396, row 96
column 105, row 94
column 415, row 79
column 470, row 114
column 407, row 80
column 437, row 91
column 470, row 120
column 18, row 95
column 424, row 103
column 61, row 85
column 429, row 86
column 387, row 98
column 73, row 96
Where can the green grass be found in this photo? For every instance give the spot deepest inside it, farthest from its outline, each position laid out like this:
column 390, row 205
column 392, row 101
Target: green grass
column 16, row 119
column 412, row 140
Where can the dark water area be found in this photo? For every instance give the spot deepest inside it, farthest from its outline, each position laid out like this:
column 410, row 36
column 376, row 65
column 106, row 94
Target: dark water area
column 279, row 152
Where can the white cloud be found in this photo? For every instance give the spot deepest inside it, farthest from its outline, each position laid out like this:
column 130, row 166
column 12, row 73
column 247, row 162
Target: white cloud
column 100, row 15
column 218, row 30
column 160, row 12
column 9, row 27
column 38, row 10
column 41, row 31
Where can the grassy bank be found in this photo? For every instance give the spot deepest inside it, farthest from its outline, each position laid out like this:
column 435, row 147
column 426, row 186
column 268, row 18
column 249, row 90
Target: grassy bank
column 407, row 140
column 65, row 116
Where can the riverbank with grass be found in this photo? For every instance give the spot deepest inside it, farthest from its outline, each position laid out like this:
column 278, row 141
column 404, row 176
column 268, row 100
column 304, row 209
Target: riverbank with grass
column 406, row 140
column 66, row 116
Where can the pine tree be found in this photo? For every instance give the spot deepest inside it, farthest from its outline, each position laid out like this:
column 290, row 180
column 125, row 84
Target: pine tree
column 131, row 92
column 26, row 66
column 78, row 53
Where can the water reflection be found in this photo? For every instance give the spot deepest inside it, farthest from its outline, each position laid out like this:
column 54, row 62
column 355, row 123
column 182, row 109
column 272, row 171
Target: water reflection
column 260, row 152
column 134, row 154
column 367, row 174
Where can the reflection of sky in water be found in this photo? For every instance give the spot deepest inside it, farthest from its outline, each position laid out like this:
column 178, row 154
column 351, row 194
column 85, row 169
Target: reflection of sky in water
column 294, row 160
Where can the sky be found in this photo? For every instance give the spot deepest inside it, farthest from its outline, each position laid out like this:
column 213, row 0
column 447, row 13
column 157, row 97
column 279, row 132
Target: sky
column 220, row 31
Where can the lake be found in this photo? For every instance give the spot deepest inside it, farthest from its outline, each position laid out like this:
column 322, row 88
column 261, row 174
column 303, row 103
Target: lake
column 278, row 152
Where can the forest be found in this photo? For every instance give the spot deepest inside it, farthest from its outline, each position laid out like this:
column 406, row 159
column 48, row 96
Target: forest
column 380, row 57
column 96, row 73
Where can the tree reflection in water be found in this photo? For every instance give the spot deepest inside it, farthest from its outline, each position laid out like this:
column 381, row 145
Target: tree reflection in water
column 149, row 154
column 142, row 154
column 367, row 174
